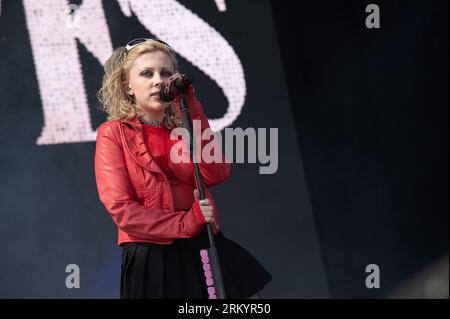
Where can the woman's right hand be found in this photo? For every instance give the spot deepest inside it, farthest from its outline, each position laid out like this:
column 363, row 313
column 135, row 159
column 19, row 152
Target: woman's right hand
column 205, row 206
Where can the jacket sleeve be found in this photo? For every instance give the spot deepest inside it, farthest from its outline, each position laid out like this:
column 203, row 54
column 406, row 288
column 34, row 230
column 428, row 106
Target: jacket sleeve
column 117, row 195
column 212, row 173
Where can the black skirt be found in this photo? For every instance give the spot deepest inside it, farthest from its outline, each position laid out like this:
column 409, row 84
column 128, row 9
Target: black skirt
column 177, row 270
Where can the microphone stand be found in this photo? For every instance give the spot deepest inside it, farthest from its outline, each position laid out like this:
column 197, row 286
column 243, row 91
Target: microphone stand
column 212, row 251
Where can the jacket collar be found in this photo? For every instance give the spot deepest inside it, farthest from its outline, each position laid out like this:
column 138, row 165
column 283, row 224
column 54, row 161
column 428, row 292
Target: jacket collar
column 135, row 142
column 135, row 123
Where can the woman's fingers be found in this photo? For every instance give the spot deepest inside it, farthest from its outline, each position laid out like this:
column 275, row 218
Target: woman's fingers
column 209, row 217
column 205, row 206
column 208, row 212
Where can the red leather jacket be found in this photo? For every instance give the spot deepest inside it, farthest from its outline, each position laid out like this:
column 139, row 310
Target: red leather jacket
column 136, row 192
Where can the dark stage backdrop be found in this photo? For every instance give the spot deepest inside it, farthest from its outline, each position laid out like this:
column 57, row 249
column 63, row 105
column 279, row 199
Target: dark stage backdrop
column 51, row 67
column 371, row 112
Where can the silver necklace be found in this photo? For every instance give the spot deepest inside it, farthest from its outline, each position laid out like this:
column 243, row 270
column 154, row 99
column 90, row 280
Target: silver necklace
column 152, row 123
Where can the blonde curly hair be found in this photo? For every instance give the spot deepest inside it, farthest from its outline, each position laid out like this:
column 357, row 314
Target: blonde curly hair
column 112, row 96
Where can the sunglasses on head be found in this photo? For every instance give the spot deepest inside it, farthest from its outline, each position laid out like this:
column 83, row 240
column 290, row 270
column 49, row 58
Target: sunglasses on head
column 138, row 41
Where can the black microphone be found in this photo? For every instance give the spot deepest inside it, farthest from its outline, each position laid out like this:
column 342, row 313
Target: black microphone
column 169, row 92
